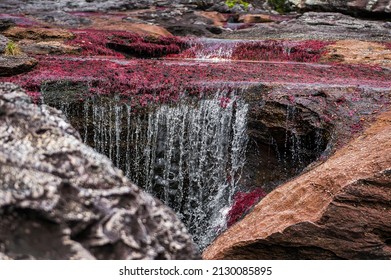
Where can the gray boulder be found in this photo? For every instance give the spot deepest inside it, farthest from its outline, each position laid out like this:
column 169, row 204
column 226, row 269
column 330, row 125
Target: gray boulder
column 59, row 199
column 3, row 43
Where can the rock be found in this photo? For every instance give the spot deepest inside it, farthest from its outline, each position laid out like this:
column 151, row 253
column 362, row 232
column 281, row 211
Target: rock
column 353, row 51
column 367, row 6
column 199, row 30
column 316, row 26
column 255, row 18
column 5, row 23
column 60, row 199
column 217, row 18
column 14, row 65
column 339, row 210
column 37, row 33
column 63, row 19
column 3, row 43
column 47, row 47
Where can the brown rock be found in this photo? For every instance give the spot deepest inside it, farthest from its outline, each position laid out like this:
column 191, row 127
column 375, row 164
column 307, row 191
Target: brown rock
column 339, row 210
column 354, row 51
column 38, row 33
column 13, row 65
column 255, row 18
column 103, row 23
column 217, row 18
column 47, row 47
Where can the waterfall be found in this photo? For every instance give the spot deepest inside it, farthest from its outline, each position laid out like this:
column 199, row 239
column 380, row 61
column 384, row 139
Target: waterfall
column 189, row 155
column 214, row 49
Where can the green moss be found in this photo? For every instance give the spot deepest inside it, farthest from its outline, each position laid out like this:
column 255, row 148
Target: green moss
column 279, row 5
column 232, row 3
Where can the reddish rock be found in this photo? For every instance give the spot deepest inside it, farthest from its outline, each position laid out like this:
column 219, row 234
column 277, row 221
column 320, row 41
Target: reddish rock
column 47, row 47
column 255, row 18
column 354, row 51
column 217, row 18
column 38, row 33
column 339, row 210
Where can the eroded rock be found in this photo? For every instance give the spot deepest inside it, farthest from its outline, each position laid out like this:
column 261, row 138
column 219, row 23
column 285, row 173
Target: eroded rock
column 36, row 33
column 14, row 65
column 3, row 43
column 339, row 210
column 59, row 199
column 367, row 6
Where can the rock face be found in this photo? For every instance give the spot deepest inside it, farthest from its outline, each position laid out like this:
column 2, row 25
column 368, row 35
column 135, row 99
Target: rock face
column 367, row 6
column 59, row 199
column 3, row 43
column 318, row 26
column 339, row 210
column 13, row 65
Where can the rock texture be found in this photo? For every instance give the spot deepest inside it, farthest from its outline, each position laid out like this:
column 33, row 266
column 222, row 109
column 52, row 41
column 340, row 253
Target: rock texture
column 59, row 199
column 3, row 43
column 339, row 210
column 317, row 26
column 13, row 65
column 367, row 6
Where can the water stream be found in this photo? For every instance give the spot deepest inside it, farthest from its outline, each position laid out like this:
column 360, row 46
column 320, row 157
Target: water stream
column 190, row 155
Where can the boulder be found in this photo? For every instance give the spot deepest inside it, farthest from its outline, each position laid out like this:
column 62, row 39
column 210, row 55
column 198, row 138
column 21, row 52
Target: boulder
column 5, row 23
column 3, row 43
column 366, row 6
column 38, row 33
column 14, row 65
column 339, row 210
column 60, row 199
column 47, row 47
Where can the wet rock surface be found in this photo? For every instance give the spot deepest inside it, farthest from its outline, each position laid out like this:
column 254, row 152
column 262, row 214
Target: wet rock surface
column 342, row 214
column 59, row 199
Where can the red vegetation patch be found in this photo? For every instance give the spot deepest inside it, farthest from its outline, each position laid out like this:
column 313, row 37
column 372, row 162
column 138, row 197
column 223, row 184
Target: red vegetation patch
column 306, row 51
column 163, row 81
column 243, row 202
column 118, row 43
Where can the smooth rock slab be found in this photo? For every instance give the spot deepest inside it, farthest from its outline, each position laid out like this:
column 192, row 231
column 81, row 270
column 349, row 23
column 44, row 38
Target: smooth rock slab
column 339, row 210
column 59, row 199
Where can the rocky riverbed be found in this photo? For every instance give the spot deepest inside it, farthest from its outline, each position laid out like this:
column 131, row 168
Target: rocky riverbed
column 263, row 125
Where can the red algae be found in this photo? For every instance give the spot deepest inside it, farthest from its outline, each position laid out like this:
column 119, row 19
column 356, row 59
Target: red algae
column 165, row 80
column 243, row 202
column 305, row 51
column 121, row 43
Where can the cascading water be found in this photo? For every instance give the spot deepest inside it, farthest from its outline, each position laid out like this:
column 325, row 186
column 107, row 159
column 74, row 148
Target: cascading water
column 189, row 155
column 214, row 49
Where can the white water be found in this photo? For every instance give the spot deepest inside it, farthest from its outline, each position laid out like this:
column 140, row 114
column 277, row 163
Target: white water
column 189, row 155
column 214, row 49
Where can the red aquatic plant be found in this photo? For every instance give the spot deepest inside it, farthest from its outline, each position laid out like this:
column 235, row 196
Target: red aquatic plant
column 121, row 43
column 274, row 50
column 243, row 202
